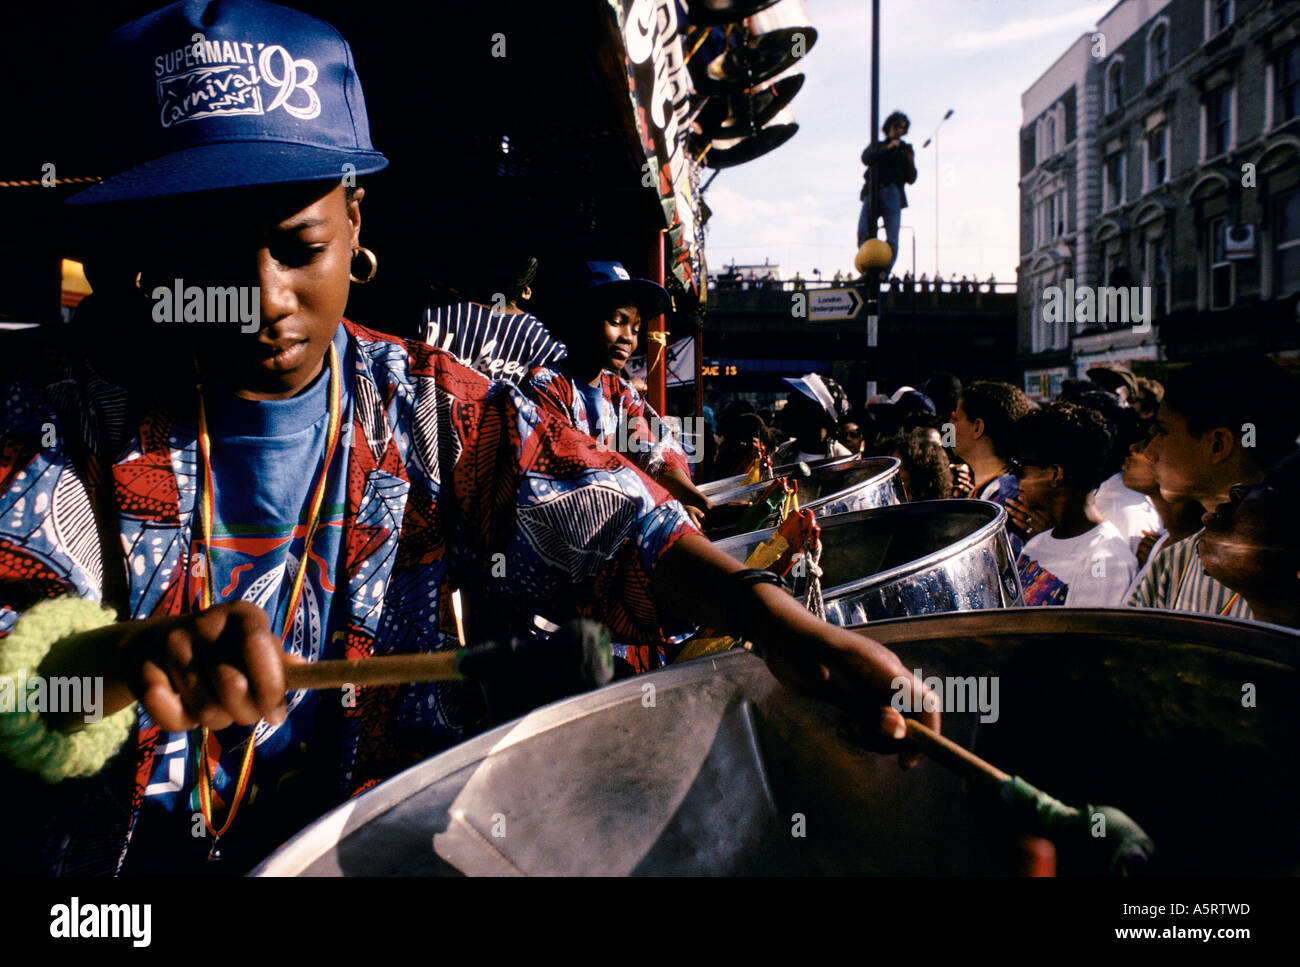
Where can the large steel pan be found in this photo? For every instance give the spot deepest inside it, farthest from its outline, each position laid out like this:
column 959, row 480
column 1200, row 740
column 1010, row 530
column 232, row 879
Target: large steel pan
column 837, row 488
column 727, row 484
column 912, row 559
column 712, row 767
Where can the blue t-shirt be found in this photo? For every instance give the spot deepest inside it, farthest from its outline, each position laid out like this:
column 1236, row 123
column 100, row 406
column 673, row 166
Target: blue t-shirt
column 266, row 458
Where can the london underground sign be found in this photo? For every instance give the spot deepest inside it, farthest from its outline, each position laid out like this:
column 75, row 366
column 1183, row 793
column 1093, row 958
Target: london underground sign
column 834, row 305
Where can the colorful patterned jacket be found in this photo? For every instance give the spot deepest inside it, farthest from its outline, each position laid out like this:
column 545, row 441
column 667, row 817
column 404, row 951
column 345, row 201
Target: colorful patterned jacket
column 626, row 422
column 447, row 476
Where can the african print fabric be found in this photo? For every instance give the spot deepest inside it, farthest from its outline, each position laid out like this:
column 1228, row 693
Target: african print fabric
column 450, row 481
column 625, row 423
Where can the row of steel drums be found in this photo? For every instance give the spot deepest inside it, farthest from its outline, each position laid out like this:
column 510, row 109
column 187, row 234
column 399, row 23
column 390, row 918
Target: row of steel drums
column 711, row 767
column 883, row 558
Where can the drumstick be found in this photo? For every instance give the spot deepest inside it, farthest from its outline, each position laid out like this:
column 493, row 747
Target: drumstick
column 1125, row 846
column 438, row 666
column 580, row 654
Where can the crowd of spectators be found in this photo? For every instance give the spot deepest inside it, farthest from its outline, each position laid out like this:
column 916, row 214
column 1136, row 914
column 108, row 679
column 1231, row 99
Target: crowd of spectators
column 1121, row 491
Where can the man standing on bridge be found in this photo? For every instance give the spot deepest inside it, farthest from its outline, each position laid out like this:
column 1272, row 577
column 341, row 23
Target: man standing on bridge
column 897, row 167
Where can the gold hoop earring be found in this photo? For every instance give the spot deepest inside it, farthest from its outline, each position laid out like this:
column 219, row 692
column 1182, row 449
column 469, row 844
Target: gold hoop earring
column 370, row 257
column 138, row 276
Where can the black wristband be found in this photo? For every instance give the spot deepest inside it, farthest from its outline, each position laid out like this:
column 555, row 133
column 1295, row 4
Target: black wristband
column 737, row 584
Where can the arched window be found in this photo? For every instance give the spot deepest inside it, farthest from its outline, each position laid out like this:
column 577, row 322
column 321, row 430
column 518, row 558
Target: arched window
column 1158, row 50
column 1115, row 86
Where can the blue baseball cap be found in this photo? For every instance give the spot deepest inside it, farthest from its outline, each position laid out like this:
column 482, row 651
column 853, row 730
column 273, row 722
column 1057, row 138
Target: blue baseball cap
column 814, row 388
column 610, row 278
column 214, row 94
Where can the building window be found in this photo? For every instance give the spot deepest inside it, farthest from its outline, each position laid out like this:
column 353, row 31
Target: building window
column 1218, row 121
column 1288, row 243
column 1115, row 86
column 1049, row 218
column 1158, row 52
column 1045, row 336
column 1045, row 136
column 1113, row 181
column 1287, row 104
column 1155, row 273
column 1156, row 149
column 1218, row 17
column 1221, row 269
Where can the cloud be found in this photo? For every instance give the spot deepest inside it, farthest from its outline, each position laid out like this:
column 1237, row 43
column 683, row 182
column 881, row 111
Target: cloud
column 1017, row 31
column 774, row 219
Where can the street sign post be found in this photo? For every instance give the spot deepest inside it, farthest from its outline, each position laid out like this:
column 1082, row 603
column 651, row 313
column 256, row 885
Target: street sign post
column 834, row 305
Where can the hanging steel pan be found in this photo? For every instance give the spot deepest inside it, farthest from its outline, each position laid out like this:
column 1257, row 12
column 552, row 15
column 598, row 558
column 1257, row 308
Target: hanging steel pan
column 748, row 111
column 857, row 484
column 770, row 43
column 713, row 768
column 716, row 12
column 912, row 559
column 785, row 470
column 729, row 152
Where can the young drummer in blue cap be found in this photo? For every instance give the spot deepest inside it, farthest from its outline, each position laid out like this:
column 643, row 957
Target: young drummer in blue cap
column 316, row 490
column 601, row 321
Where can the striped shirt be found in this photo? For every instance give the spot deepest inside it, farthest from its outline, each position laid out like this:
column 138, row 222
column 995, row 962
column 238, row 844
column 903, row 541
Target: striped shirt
column 500, row 345
column 1174, row 579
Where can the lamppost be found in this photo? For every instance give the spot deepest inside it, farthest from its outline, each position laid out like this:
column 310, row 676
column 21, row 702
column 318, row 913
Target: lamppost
column 935, row 138
column 909, row 228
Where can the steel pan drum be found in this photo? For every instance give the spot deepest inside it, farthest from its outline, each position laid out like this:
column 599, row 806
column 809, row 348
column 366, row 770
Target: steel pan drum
column 727, row 484
column 712, row 767
column 922, row 558
column 856, row 484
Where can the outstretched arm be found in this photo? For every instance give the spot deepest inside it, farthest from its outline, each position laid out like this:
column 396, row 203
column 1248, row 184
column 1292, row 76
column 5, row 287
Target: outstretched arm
column 803, row 651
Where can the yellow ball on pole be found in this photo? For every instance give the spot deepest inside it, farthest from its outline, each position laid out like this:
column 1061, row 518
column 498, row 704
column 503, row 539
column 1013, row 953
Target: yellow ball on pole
column 874, row 255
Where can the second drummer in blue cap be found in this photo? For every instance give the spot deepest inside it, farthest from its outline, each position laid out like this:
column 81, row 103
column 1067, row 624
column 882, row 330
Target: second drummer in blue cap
column 601, row 320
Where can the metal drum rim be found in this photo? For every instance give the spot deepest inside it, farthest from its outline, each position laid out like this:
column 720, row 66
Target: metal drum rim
column 890, row 472
column 977, row 537
column 1271, row 642
column 734, row 481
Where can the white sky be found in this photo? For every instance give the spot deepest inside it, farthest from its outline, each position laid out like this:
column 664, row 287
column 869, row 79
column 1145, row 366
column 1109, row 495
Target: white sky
column 798, row 205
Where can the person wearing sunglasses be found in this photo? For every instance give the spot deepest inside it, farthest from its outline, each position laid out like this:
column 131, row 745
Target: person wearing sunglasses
column 1060, row 458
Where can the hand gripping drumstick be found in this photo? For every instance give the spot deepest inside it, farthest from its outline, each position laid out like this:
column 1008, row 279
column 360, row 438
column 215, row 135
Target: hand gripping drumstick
column 579, row 655
column 1124, row 846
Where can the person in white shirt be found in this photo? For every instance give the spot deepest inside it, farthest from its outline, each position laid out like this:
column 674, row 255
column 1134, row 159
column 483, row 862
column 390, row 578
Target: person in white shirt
column 1084, row 561
column 1131, row 511
column 1178, row 518
column 1133, row 514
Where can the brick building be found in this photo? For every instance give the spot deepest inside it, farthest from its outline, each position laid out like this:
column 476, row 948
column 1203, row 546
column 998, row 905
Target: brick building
column 1162, row 151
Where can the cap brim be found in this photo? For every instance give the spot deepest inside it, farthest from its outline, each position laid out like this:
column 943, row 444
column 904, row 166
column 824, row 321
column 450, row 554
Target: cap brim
column 650, row 298
column 229, row 164
column 1112, row 380
column 801, row 384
